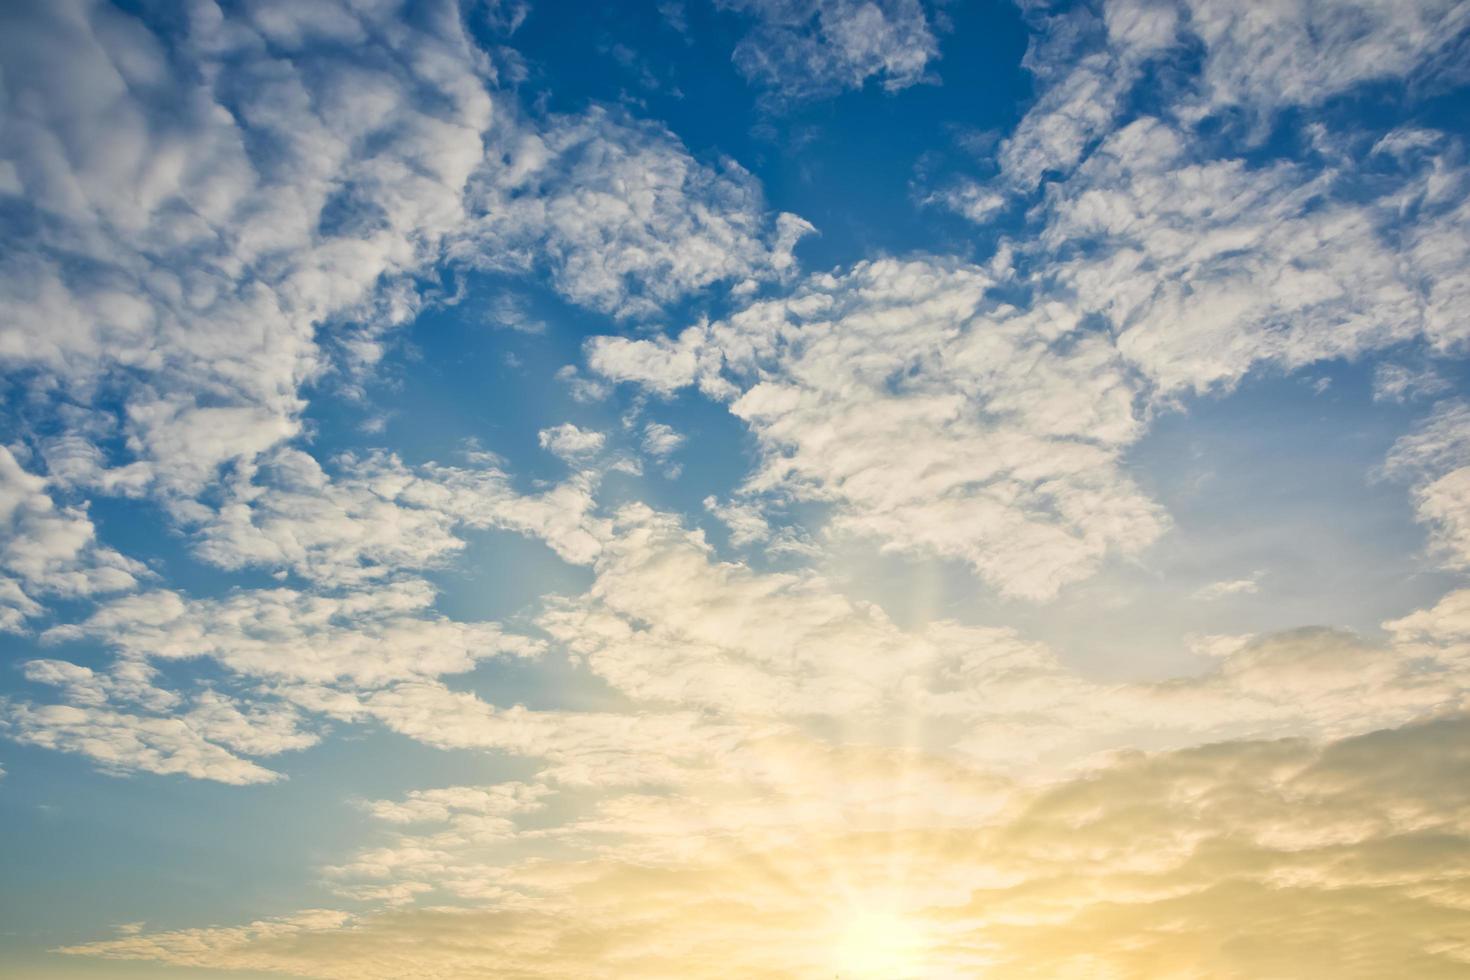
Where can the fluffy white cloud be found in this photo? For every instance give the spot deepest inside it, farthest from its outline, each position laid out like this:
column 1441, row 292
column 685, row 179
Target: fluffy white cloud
column 128, row 681
column 804, row 49
column 1259, row 56
column 1400, row 383
column 122, row 720
column 377, row 516
column 661, row 441
column 666, row 623
column 123, row 742
column 251, row 728
column 445, row 805
column 1229, row 587
column 366, row 639
column 1436, row 459
column 930, row 418
column 575, row 748
column 1207, row 267
column 201, row 204
column 570, row 442
column 620, row 215
column 1266, row 53
column 220, row 213
column 1202, row 263
column 46, row 550
column 766, row 755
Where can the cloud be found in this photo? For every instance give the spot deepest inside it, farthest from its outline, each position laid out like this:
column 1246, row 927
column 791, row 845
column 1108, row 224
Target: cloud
column 1269, row 55
column 931, row 419
column 129, row 681
column 667, row 624
column 369, row 638
column 939, row 420
column 970, row 199
column 123, row 721
column 713, row 655
column 122, row 742
column 1436, row 460
column 1207, row 267
column 801, row 49
column 1229, row 587
column 253, row 729
column 220, row 212
column 1259, row 58
column 1247, row 857
column 46, row 550
column 444, row 805
column 746, row 524
column 219, row 209
column 377, row 517
column 591, row 749
column 570, row 442
column 661, row 441
column 1398, row 383
column 201, row 200
column 621, row 217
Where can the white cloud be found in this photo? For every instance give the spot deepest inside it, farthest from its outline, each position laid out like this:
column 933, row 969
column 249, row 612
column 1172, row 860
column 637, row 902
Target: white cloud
column 805, row 49
column 971, row 199
column 1438, row 632
column 661, row 441
column 1229, row 587
column 575, row 748
column 1266, row 54
column 367, row 638
column 1436, row 459
column 1208, row 267
column 129, row 681
column 1261, row 56
column 199, row 248
column 1083, row 82
column 621, row 216
column 744, row 519
column 443, row 805
column 229, row 207
column 667, row 624
column 252, row 728
column 932, row 420
column 46, row 550
column 166, row 251
column 511, row 313
column 570, row 442
column 1400, row 383
column 378, row 516
column 121, row 742
column 124, row 722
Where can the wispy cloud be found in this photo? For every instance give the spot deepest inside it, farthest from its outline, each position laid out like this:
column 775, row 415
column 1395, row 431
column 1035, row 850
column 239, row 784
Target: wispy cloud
column 801, row 49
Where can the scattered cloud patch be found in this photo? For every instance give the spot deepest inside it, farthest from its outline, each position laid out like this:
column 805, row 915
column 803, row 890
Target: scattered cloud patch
column 570, row 442
column 1229, row 587
column 804, row 49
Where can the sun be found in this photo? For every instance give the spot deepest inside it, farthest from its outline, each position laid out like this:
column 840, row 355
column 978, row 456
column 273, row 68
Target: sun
column 877, row 943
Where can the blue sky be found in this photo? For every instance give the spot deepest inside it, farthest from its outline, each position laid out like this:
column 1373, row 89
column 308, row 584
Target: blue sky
column 480, row 479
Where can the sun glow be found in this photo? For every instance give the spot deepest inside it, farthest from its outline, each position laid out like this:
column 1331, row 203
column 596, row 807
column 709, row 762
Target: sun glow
column 878, row 943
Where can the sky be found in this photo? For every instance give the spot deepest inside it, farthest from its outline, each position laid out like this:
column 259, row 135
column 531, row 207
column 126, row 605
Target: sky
column 734, row 488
